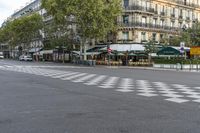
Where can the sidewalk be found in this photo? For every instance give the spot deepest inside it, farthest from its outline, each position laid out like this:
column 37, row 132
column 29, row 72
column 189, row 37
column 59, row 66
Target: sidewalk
column 148, row 68
column 131, row 67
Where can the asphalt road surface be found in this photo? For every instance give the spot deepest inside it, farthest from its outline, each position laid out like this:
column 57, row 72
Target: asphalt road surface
column 62, row 98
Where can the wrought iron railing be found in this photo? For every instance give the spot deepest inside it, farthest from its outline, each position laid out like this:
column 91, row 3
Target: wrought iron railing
column 139, row 8
column 147, row 25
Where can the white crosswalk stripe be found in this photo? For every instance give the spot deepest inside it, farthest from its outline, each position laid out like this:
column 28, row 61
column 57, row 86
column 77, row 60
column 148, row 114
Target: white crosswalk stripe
column 126, row 85
column 84, row 78
column 145, row 89
column 175, row 93
column 96, row 80
column 64, row 75
column 109, row 83
column 74, row 76
column 170, row 93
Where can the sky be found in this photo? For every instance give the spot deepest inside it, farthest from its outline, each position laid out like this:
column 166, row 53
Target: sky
column 7, row 8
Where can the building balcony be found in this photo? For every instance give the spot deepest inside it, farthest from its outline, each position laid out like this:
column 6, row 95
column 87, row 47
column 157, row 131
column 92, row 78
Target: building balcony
column 173, row 15
column 180, row 17
column 187, row 18
column 162, row 13
column 124, row 40
column 139, row 8
column 147, row 26
column 185, row 3
column 155, row 12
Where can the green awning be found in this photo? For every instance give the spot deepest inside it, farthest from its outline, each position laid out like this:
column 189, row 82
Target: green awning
column 142, row 55
column 120, row 54
column 168, row 51
column 132, row 54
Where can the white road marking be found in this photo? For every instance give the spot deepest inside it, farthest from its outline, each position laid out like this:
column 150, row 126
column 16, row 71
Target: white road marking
column 147, row 94
column 177, row 100
column 109, row 83
column 96, row 80
column 126, row 85
column 74, row 76
column 145, row 89
column 84, row 78
column 176, row 93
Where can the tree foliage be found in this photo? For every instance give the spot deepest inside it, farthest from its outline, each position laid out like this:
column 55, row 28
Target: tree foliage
column 22, row 30
column 191, row 36
column 94, row 18
column 150, row 47
column 175, row 41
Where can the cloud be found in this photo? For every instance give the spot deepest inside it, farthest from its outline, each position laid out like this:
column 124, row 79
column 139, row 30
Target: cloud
column 7, row 8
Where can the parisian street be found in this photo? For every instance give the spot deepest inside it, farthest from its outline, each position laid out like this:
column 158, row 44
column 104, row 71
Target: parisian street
column 38, row 97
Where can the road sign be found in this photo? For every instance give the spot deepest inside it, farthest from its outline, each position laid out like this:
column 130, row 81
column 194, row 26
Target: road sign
column 182, row 50
column 182, row 45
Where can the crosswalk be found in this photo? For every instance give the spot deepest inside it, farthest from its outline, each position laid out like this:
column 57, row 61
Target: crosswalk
column 177, row 93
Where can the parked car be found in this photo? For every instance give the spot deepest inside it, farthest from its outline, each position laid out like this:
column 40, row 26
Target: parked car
column 1, row 55
column 25, row 58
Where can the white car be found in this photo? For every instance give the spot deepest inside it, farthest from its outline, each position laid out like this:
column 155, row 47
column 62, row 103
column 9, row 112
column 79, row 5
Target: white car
column 1, row 57
column 25, row 58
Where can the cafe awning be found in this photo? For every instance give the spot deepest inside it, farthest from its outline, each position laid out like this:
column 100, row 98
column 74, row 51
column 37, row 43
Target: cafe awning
column 168, row 51
column 33, row 50
column 125, row 47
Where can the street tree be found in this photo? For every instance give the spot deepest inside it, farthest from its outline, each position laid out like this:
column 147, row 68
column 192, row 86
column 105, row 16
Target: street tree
column 175, row 41
column 194, row 33
column 94, row 18
column 27, row 28
column 191, row 36
column 7, row 35
column 186, row 37
column 150, row 47
column 22, row 31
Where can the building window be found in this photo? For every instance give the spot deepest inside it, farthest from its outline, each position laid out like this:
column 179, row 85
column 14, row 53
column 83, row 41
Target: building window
column 143, row 36
column 162, row 10
column 126, row 3
column 154, row 36
column 156, row 9
column 172, row 12
column 181, row 14
column 161, row 36
column 185, row 2
column 125, row 19
column 125, row 35
column 161, row 23
column 172, row 24
column 144, row 21
column 154, row 21
column 180, row 24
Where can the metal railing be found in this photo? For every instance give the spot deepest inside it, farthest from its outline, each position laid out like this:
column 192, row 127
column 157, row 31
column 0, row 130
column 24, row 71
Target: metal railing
column 147, row 25
column 139, row 8
column 185, row 3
